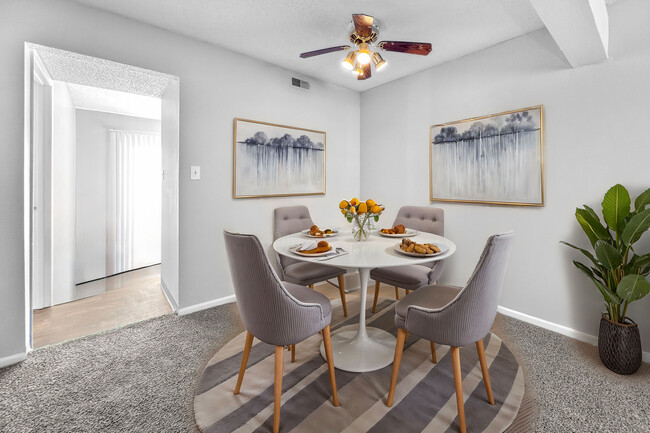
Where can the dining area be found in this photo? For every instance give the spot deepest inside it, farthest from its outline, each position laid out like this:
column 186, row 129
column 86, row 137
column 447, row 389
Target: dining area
column 357, row 357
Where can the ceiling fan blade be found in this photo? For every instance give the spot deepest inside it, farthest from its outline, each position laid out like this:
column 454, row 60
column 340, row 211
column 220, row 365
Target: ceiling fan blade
column 420, row 48
column 324, row 51
column 366, row 72
column 363, row 25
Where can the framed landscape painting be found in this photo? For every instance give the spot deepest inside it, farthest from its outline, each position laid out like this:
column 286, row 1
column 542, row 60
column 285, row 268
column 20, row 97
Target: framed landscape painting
column 276, row 160
column 495, row 159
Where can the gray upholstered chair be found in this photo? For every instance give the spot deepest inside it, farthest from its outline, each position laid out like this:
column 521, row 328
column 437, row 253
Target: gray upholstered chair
column 456, row 317
column 293, row 219
column 411, row 277
column 275, row 312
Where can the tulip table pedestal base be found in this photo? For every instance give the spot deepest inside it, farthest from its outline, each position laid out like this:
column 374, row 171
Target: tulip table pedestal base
column 357, row 348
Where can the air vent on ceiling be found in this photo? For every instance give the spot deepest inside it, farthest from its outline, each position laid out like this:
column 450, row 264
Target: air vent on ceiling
column 301, row 84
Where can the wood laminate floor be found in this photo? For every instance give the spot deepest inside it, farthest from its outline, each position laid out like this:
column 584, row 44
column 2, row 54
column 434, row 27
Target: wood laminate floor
column 128, row 298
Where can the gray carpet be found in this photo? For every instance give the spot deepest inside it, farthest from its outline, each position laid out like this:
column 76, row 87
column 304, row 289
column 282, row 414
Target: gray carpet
column 141, row 378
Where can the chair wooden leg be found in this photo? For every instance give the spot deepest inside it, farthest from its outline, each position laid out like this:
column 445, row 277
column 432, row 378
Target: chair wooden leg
column 374, row 303
column 458, row 383
column 327, row 342
column 408, row 291
column 434, row 358
column 244, row 360
column 484, row 369
column 277, row 388
column 293, row 353
column 399, row 347
column 311, row 286
column 342, row 290
column 396, row 293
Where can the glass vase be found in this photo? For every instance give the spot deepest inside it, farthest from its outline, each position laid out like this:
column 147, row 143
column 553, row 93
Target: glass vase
column 361, row 227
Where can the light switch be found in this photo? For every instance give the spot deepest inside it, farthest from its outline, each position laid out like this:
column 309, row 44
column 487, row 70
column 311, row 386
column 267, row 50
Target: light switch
column 195, row 172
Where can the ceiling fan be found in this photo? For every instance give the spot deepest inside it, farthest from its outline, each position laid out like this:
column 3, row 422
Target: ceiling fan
column 364, row 37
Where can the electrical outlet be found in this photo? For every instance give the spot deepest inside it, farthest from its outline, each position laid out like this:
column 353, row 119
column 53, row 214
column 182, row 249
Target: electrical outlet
column 195, row 172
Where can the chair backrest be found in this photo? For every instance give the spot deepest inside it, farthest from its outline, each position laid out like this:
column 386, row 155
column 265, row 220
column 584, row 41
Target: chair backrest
column 425, row 219
column 422, row 218
column 470, row 315
column 288, row 220
column 268, row 310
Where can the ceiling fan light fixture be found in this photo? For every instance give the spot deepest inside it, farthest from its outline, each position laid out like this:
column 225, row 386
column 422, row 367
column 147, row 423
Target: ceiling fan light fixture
column 378, row 61
column 363, row 55
column 348, row 62
column 358, row 71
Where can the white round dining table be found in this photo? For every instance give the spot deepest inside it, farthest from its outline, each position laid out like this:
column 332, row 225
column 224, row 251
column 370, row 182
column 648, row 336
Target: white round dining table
column 360, row 348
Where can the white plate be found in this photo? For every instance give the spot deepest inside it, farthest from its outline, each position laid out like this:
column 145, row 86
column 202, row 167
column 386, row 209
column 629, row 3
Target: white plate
column 409, row 233
column 306, row 234
column 295, row 251
column 443, row 249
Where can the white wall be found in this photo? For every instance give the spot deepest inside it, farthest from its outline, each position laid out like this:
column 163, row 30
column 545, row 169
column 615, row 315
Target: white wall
column 63, row 193
column 215, row 86
column 169, row 141
column 93, row 141
column 595, row 137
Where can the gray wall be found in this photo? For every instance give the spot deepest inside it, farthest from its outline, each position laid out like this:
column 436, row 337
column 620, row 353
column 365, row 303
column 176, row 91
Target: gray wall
column 595, row 137
column 215, row 86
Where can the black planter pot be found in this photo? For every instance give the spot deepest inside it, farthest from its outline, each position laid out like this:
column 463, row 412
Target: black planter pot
column 619, row 345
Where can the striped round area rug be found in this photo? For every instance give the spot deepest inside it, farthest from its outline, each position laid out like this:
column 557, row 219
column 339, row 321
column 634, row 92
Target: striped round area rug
column 424, row 398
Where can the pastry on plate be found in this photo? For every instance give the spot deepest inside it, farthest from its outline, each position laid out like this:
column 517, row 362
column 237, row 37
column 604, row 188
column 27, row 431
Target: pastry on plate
column 321, row 247
column 413, row 247
column 315, row 231
column 399, row 229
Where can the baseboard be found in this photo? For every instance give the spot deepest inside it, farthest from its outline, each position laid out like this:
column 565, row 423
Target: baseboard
column 12, row 359
column 205, row 305
column 560, row 329
column 168, row 295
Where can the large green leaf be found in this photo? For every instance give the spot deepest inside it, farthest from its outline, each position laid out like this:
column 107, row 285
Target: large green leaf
column 588, row 272
column 609, row 296
column 583, row 251
column 592, row 213
column 635, row 227
column 642, row 200
column 638, row 265
column 608, row 255
column 616, row 206
column 633, row 287
column 591, row 225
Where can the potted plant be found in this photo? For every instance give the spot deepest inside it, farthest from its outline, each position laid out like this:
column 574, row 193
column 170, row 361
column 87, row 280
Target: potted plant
column 618, row 271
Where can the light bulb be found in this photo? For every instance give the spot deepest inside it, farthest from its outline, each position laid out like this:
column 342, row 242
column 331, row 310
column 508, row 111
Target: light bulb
column 363, row 56
column 378, row 61
column 348, row 62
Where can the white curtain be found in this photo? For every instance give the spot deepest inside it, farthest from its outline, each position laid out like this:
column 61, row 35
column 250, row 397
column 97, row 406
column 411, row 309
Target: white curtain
column 134, row 200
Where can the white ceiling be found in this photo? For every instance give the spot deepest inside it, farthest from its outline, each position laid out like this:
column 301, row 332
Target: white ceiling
column 91, row 71
column 112, row 101
column 102, row 85
column 277, row 31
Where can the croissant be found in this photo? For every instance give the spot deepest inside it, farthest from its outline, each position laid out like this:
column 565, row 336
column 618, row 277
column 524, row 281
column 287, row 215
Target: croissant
column 315, row 231
column 322, row 247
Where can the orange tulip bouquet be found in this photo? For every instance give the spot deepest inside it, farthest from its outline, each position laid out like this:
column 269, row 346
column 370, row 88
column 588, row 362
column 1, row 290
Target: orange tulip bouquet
column 362, row 215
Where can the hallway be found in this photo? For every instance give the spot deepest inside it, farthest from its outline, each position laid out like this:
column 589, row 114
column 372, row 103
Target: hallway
column 110, row 303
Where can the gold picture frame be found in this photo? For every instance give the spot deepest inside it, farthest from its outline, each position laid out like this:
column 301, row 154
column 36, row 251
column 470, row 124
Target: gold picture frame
column 500, row 162
column 273, row 160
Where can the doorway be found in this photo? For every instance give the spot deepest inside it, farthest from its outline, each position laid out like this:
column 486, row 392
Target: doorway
column 103, row 239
